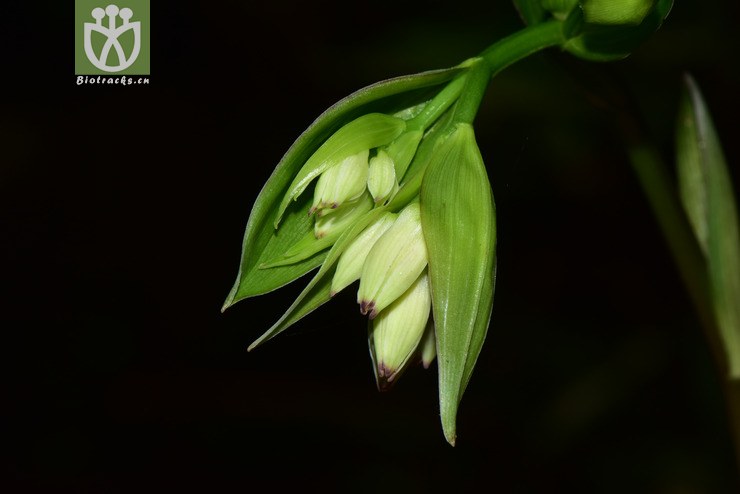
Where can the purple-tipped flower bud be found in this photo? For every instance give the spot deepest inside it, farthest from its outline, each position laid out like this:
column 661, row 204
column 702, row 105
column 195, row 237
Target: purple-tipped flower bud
column 342, row 182
column 398, row 329
column 349, row 266
column 394, row 262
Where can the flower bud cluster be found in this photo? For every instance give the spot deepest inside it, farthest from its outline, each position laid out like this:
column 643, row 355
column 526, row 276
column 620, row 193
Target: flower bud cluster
column 350, row 188
column 390, row 258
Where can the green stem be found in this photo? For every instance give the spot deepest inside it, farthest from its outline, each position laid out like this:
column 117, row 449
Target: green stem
column 476, row 83
column 439, row 104
column 522, row 44
column 500, row 55
column 471, row 86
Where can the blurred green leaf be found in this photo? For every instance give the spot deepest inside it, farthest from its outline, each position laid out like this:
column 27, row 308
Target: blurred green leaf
column 706, row 192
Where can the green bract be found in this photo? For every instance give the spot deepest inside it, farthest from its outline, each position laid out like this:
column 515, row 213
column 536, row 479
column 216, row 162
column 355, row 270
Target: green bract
column 388, row 187
column 262, row 241
column 363, row 221
column 458, row 220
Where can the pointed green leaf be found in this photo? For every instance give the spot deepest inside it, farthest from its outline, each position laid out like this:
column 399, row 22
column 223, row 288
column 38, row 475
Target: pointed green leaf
column 706, row 192
column 389, row 96
column 273, row 244
column 459, row 227
column 318, row 290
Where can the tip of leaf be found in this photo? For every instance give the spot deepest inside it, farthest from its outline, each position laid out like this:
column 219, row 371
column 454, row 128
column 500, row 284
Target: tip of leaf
column 229, row 300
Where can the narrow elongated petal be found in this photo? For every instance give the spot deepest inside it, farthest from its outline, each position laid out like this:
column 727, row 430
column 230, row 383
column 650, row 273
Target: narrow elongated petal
column 394, row 263
column 398, row 329
column 457, row 215
column 349, row 267
column 345, row 181
column 706, row 192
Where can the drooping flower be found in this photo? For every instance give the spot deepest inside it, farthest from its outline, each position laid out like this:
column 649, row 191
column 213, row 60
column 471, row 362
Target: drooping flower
column 394, row 262
column 372, row 215
column 398, row 330
column 349, row 266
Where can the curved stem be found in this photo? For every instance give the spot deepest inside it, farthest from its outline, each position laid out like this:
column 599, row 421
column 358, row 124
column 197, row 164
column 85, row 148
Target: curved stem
column 476, row 83
column 439, row 104
column 472, row 84
column 522, row 44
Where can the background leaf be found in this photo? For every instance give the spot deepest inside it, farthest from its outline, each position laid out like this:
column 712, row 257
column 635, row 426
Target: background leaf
column 706, row 192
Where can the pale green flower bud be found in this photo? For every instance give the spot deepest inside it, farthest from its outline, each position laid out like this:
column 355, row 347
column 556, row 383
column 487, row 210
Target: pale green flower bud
column 335, row 220
column 403, row 150
column 345, row 181
column 394, row 262
column 428, row 345
column 616, row 12
column 381, row 177
column 349, row 266
column 398, row 329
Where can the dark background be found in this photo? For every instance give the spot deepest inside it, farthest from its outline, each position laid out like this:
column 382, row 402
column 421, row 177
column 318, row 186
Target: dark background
column 122, row 211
